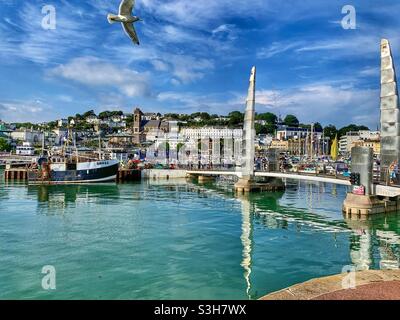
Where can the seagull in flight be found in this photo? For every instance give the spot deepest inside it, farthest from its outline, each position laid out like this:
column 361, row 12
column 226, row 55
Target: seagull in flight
column 126, row 18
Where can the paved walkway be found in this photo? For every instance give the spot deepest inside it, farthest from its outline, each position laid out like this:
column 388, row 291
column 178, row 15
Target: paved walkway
column 385, row 290
column 370, row 285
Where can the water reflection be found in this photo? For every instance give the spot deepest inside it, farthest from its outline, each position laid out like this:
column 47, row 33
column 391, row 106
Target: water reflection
column 374, row 242
column 309, row 213
column 375, row 238
column 63, row 196
column 247, row 241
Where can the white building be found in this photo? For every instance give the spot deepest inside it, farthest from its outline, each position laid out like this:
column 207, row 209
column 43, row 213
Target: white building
column 173, row 137
column 31, row 136
column 212, row 133
column 63, row 122
column 151, row 116
column 285, row 133
column 92, row 119
column 25, row 150
column 114, row 124
column 347, row 141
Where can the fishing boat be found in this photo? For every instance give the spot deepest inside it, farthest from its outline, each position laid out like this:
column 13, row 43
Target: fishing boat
column 54, row 170
column 67, row 166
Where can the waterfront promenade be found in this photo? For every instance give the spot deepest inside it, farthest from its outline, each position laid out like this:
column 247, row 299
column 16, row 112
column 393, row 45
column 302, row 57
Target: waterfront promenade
column 369, row 285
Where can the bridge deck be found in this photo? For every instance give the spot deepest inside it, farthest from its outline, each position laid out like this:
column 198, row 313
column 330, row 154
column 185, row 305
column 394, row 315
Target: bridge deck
column 380, row 190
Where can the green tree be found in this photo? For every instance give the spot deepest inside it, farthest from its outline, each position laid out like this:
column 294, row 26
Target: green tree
column 205, row 116
column 317, row 126
column 330, row 131
column 89, row 113
column 291, row 121
column 269, row 128
column 104, row 115
column 4, row 145
column 260, row 129
column 179, row 146
column 269, row 117
column 129, row 120
column 235, row 118
column 350, row 127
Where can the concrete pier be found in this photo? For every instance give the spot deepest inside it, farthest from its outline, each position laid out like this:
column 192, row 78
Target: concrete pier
column 161, row 174
column 367, row 203
column 15, row 174
column 128, row 175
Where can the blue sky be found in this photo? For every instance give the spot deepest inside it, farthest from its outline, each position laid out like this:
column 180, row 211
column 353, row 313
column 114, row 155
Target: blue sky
column 196, row 56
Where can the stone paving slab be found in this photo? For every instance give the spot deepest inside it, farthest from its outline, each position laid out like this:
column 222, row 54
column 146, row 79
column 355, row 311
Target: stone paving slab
column 370, row 284
column 384, row 290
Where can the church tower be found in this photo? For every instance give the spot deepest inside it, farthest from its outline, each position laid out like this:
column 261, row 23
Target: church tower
column 137, row 121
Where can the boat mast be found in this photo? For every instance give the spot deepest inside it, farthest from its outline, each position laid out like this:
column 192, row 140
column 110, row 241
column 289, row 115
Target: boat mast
column 99, row 145
column 43, row 144
column 76, row 149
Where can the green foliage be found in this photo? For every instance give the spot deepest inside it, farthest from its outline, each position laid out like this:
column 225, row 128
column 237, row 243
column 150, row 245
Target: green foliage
column 269, row 128
column 172, row 116
column 108, row 114
column 129, row 120
column 26, row 125
column 269, row 117
column 51, row 125
column 291, row 121
column 317, row 126
column 83, row 126
column 179, row 146
column 88, row 114
column 4, row 145
column 330, row 131
column 235, row 118
column 350, row 127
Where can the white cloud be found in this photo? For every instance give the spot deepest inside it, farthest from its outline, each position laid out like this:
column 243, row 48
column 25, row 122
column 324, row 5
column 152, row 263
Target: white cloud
column 276, row 48
column 323, row 103
column 200, row 13
column 370, row 71
column 225, row 32
column 22, row 111
column 189, row 69
column 159, row 65
column 327, row 103
column 95, row 72
column 31, row 42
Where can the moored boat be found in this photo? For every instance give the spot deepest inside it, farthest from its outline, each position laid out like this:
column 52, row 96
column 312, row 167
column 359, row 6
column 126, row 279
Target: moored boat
column 65, row 171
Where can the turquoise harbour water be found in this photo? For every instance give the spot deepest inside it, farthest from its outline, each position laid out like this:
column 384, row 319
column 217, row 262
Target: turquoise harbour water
column 178, row 240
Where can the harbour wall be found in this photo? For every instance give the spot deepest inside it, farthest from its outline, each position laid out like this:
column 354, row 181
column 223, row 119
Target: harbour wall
column 163, row 174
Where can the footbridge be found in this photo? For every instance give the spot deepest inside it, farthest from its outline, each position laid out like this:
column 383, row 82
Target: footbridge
column 377, row 189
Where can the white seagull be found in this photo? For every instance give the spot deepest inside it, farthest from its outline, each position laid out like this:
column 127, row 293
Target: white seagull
column 126, row 18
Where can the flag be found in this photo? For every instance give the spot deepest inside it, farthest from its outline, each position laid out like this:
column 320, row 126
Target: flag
column 334, row 149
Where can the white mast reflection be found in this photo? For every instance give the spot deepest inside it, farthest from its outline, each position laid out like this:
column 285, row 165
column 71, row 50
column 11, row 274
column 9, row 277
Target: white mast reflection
column 246, row 242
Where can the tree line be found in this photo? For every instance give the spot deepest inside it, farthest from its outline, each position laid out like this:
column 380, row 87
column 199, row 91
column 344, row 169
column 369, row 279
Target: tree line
column 266, row 123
